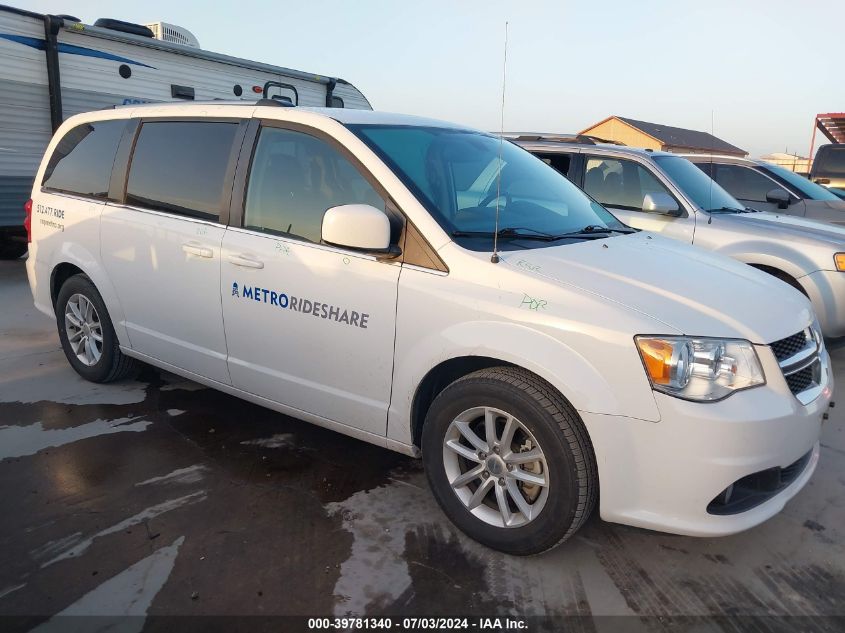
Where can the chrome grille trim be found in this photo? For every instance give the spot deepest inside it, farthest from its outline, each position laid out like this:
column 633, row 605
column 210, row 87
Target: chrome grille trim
column 807, row 359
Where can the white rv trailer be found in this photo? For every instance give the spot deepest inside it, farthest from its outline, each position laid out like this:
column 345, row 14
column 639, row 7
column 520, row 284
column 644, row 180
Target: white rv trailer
column 55, row 66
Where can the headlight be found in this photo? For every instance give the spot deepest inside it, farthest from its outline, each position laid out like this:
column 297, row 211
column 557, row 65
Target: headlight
column 699, row 368
column 839, row 260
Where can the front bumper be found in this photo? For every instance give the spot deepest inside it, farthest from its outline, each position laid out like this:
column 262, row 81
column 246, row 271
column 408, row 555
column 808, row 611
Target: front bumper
column 664, row 475
column 826, row 289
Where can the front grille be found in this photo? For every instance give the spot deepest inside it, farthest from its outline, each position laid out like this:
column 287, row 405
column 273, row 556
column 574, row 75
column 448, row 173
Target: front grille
column 798, row 358
column 802, row 379
column 790, row 345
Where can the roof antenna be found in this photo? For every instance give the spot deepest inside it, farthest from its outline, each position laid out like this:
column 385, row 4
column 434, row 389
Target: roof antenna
column 495, row 256
column 712, row 174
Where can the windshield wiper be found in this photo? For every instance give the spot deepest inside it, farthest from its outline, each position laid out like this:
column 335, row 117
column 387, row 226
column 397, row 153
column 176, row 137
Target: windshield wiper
column 594, row 232
column 726, row 210
column 508, row 232
column 591, row 231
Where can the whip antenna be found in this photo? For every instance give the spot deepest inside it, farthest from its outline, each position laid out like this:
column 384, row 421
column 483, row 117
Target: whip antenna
column 712, row 173
column 495, row 256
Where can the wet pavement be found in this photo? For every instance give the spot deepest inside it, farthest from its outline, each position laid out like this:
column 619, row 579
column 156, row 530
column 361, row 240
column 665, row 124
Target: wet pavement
column 160, row 497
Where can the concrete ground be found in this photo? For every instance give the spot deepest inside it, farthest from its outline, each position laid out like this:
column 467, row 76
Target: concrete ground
column 160, row 497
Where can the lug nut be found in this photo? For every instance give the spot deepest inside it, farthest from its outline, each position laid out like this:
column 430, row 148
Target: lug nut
column 496, row 449
column 501, row 481
column 485, row 475
column 482, row 455
column 510, row 466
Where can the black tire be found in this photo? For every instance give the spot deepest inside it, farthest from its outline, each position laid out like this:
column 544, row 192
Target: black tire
column 558, row 429
column 12, row 249
column 113, row 364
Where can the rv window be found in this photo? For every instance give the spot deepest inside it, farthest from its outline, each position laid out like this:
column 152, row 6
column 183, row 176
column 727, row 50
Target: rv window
column 337, row 102
column 293, row 180
column 180, row 167
column 82, row 161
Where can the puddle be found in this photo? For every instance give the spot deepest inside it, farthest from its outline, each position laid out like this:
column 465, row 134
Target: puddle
column 19, row 441
column 129, row 593
column 189, row 475
column 145, row 515
column 277, row 441
column 404, row 548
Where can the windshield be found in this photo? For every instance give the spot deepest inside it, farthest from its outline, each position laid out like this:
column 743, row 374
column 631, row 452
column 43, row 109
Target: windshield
column 830, row 162
column 808, row 188
column 455, row 175
column 697, row 185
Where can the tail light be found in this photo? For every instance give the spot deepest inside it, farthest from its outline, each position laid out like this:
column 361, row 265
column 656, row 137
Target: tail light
column 27, row 219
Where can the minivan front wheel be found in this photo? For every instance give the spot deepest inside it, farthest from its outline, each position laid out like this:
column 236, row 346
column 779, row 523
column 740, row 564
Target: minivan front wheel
column 509, row 460
column 86, row 333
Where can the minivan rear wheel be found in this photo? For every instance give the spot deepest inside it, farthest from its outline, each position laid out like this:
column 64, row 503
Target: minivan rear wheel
column 87, row 335
column 509, row 460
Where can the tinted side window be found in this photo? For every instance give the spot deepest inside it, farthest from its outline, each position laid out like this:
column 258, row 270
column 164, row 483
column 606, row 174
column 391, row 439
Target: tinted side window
column 294, row 179
column 743, row 183
column 559, row 162
column 620, row 183
column 707, row 168
column 180, row 167
column 83, row 159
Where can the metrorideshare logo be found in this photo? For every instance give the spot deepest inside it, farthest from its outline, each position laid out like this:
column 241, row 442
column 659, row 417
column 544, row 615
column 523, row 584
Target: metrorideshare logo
column 305, row 306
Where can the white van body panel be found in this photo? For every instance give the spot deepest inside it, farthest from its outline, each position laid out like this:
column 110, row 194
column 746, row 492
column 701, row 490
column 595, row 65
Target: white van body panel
column 332, row 356
column 161, row 266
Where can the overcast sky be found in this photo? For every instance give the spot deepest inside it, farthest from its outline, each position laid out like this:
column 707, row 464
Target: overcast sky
column 763, row 69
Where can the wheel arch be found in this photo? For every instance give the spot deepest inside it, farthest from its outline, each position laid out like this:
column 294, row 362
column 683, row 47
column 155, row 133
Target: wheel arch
column 76, row 263
column 59, row 275
column 785, row 277
column 440, row 377
column 583, row 370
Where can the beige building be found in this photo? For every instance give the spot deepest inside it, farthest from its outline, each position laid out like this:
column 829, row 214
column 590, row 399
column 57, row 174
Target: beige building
column 656, row 136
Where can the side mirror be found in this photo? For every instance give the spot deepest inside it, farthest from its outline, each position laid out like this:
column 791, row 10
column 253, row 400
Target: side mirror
column 359, row 227
column 778, row 197
column 660, row 202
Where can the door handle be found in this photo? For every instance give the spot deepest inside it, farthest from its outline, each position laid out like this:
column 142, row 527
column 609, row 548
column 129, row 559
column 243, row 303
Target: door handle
column 246, row 262
column 193, row 248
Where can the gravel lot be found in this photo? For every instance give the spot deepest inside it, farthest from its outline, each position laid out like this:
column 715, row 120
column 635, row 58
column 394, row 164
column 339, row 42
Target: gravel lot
column 160, row 497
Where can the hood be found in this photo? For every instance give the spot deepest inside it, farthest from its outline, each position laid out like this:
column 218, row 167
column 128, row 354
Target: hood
column 689, row 289
column 791, row 227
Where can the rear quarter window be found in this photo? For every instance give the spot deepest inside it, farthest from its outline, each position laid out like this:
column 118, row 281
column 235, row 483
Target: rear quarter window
column 82, row 161
column 180, row 167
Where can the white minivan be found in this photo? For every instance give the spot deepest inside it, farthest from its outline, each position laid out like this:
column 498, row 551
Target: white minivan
column 337, row 266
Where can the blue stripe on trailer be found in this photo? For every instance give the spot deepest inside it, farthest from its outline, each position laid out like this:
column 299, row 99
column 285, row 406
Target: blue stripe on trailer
column 70, row 49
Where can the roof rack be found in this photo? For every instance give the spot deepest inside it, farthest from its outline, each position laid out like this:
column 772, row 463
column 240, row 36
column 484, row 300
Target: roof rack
column 279, row 102
column 586, row 139
column 273, row 102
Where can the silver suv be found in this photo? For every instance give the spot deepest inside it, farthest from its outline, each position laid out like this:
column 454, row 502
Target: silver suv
column 767, row 187
column 665, row 193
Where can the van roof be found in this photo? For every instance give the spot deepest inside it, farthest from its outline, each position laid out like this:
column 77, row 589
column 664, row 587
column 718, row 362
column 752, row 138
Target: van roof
column 218, row 108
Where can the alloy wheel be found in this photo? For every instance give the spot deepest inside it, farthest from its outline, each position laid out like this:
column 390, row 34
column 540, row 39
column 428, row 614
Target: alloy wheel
column 84, row 330
column 496, row 467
